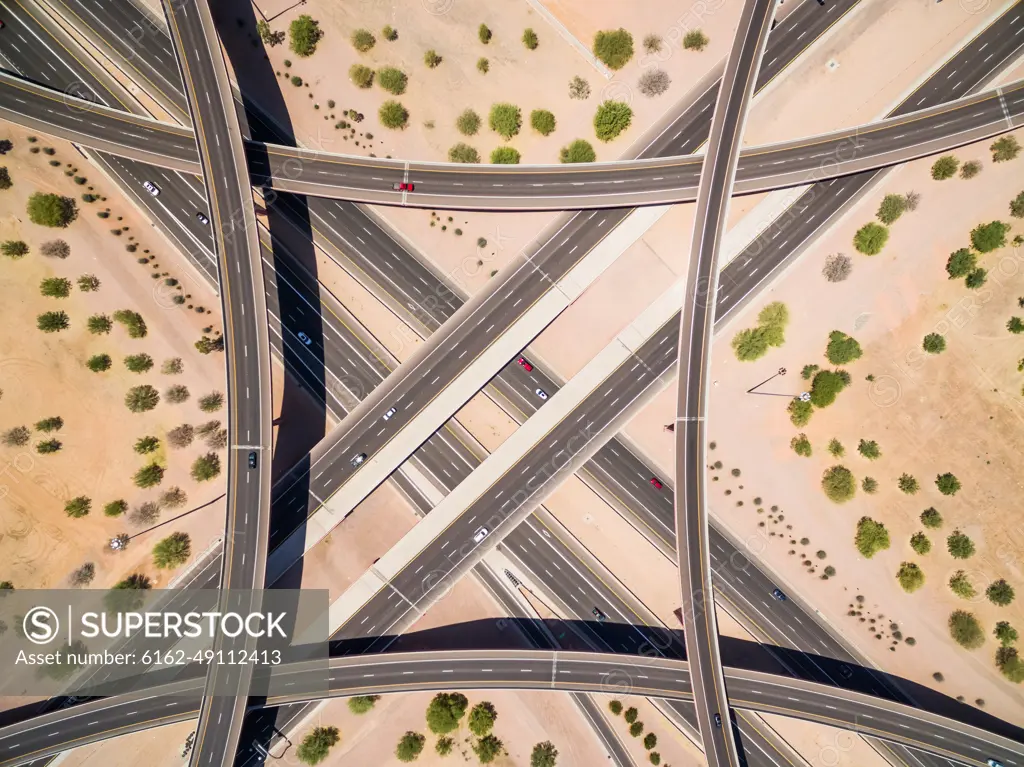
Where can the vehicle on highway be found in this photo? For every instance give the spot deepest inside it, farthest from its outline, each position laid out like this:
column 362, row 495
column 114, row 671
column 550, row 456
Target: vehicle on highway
column 202, row 218
column 541, row 393
column 480, row 534
column 777, row 593
column 152, row 188
column 403, row 186
column 252, row 459
column 304, row 338
column 846, row 672
column 601, row 617
column 718, row 721
column 391, row 412
column 358, row 459
column 525, row 364
column 994, row 763
column 657, row 483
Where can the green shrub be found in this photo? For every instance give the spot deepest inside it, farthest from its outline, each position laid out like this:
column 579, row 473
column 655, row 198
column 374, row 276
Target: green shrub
column 14, row 248
column 1000, row 593
column 907, row 484
column 695, row 41
column 959, row 545
column 970, row 169
column 919, row 542
column 483, row 66
column 53, row 322
column 839, row 484
column 988, row 237
column 836, row 449
column 825, row 387
column 614, row 47
column 431, row 59
column 931, row 518
column 530, row 39
column 48, row 446
column 393, row 115
column 304, row 33
column 945, row 167
column 361, row 704
column 463, row 153
column 960, row 263
column 947, row 483
column 5, row 178
column 393, row 80
column 55, row 287
column 139, row 399
column 910, row 576
column 965, row 630
column 869, row 485
column 542, row 121
column 51, row 210
column 410, row 746
column 132, row 322
column 481, row 718
column 612, row 118
column 468, row 123
column 636, row 729
column 99, row 363
column 296, row 81
column 363, row 40
column 1017, row 206
column 389, row 33
column 205, row 467
column 361, row 76
column 976, row 279
column 842, row 349
column 115, row 508
column 871, row 537
column 138, row 363
column 505, row 155
column 870, row 239
column 892, row 207
column 1009, row 664
column 801, row 445
column 149, row 476
column 78, row 507
column 444, row 712
column 961, row 585
column 869, row 449
column 505, row 120
column 578, row 151
column 146, row 445
column 933, row 343
column 317, row 744
column 172, row 551
column 615, row 707
column 750, row 344
column 1005, row 148
column 800, row 411
column 1005, row 633
column 484, row 34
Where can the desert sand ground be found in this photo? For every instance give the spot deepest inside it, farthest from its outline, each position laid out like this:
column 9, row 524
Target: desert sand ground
column 44, row 375
column 825, row 746
column 957, row 412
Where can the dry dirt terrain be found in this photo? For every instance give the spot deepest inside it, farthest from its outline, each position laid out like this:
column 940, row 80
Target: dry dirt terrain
column 44, row 375
column 959, row 411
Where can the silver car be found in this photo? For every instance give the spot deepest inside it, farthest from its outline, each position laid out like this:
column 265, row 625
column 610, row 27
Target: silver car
column 541, row 393
column 152, row 188
column 480, row 534
column 391, row 412
column 358, row 459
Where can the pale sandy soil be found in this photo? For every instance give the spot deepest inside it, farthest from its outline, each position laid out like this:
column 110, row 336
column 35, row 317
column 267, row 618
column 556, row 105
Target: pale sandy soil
column 961, row 411
column 675, row 748
column 882, row 49
column 532, row 79
column 825, row 746
column 524, row 719
column 44, row 375
column 156, row 747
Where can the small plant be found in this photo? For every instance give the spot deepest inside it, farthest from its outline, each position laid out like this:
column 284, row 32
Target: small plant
column 695, row 41
column 959, row 545
column 835, row 448
column 919, row 543
column 947, row 484
column 53, row 322
column 211, row 403
column 463, row 153
column 611, row 119
column 869, row 485
column 934, row 343
column 892, row 207
column 931, row 518
column 976, row 279
column 615, row 707
column 871, row 537
column 205, row 467
column 970, row 169
column 431, row 59
column 173, row 551
column 945, row 167
column 579, row 89
column 146, row 445
column 88, row 283
column 138, row 363
column 317, row 744
column 631, row 715
column 55, row 249
column 99, row 363
column 652, row 44
column 389, row 33
column 838, row 484
column 363, row 40
column 654, row 82
column 505, row 120
column 48, row 446
column 800, row 412
column 988, row 237
column 1000, row 593
column 78, row 507
column 578, row 151
column 1005, row 633
column 484, row 34
column 842, row 349
column 393, row 80
column 910, row 577
column 296, row 81
column 1005, row 149
column 503, row 155
column 149, row 476
column 361, row 76
column 907, row 484
column 47, row 425
column 837, row 267
column 961, row 263
column 801, row 445
column 361, row 704
column 965, row 630
column 614, row 47
column 636, row 729
column 870, row 239
column 530, row 39
column 468, row 123
column 542, row 121
column 961, row 585
column 139, row 399
column 483, row 66
column 176, row 394
column 393, row 115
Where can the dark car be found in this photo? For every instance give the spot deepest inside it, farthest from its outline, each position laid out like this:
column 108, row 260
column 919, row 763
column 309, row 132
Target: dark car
column 777, row 593
column 252, row 459
column 846, row 672
column 601, row 617
column 718, row 721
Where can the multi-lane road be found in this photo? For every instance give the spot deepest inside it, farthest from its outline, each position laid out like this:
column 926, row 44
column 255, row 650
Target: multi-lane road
column 599, row 185
column 246, row 332
column 721, row 747
column 532, row 670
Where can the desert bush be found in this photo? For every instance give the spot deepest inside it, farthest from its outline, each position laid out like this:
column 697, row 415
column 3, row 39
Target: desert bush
column 960, row 263
column 910, row 577
column 205, row 467
column 825, row 387
column 463, row 153
column 801, row 445
column 361, row 76
column 51, row 210
column 542, row 121
column 919, row 543
column 961, row 585
column 965, row 630
column 468, row 123
column 945, row 167
column 839, row 484
column 870, row 239
column 99, row 363
column 578, row 151
column 530, row 39
column 695, row 41
column 579, row 89
column 988, row 237
column 970, row 169
column 393, row 115
column 139, row 399
column 363, row 40
column 908, row 484
column 393, row 80
column 959, row 545
column 1004, row 149
column 78, row 507
column 931, row 518
column 1000, row 593
column 871, row 537
column 654, row 82
column 55, row 249
column 837, row 267
column 505, row 120
column 432, row 59
column 611, row 119
column 614, row 47
column 484, row 34
column 173, row 551
column 947, row 484
column 892, row 207
column 503, row 155
column 869, row 485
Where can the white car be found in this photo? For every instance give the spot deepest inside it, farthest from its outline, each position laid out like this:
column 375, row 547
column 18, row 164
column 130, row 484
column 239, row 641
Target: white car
column 541, row 393
column 152, row 188
column 304, row 338
column 202, row 218
column 391, row 412
column 480, row 534
column 358, row 459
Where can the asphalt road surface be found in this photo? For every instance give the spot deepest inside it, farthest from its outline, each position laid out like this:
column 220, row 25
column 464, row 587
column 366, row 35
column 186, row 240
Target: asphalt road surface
column 243, row 296
column 536, row 670
column 721, row 747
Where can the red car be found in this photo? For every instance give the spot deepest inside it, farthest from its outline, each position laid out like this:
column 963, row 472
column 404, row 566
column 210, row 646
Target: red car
column 403, row 186
column 525, row 365
column 657, row 483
